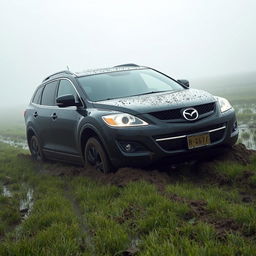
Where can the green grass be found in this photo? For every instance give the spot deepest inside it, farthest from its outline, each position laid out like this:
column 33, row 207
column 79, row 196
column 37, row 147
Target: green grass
column 237, row 173
column 52, row 228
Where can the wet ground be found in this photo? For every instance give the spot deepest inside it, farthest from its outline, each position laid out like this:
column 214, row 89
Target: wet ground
column 246, row 114
column 26, row 202
column 13, row 143
column 160, row 177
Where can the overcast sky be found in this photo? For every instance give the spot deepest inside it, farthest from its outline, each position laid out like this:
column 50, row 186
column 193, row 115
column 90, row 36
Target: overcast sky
column 185, row 39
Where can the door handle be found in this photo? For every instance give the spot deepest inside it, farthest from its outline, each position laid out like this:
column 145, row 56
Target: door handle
column 35, row 114
column 54, row 116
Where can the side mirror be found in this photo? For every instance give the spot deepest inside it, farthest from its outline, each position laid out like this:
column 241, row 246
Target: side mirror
column 184, row 82
column 66, row 101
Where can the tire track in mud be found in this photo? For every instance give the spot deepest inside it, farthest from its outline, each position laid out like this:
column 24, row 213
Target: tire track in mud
column 85, row 238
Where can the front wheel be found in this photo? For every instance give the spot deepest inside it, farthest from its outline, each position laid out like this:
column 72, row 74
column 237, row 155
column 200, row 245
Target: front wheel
column 95, row 156
column 35, row 149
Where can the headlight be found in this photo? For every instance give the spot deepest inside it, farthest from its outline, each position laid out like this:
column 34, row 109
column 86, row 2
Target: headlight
column 224, row 104
column 123, row 120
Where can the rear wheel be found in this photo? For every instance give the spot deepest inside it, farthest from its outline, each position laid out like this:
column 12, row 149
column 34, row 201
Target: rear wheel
column 35, row 149
column 95, row 156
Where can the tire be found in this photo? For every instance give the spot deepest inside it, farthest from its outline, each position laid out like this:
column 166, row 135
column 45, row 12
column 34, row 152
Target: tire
column 35, row 149
column 95, row 156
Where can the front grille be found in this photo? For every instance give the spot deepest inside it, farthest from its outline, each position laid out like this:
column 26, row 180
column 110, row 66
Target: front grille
column 181, row 143
column 176, row 114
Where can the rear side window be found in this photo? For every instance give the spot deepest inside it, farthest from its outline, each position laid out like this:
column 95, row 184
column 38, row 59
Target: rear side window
column 37, row 96
column 48, row 97
column 65, row 88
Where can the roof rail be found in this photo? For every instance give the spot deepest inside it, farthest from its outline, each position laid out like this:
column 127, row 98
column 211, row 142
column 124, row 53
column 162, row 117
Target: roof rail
column 58, row 73
column 127, row 65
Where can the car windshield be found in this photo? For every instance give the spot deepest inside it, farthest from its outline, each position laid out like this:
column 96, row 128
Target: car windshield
column 128, row 83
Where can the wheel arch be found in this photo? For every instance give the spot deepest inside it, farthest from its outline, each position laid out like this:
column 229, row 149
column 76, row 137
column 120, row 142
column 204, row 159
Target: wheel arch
column 30, row 132
column 87, row 132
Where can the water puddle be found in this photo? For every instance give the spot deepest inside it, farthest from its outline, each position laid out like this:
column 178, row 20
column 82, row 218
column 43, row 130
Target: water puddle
column 246, row 115
column 245, row 109
column 247, row 136
column 16, row 144
column 26, row 204
column 6, row 192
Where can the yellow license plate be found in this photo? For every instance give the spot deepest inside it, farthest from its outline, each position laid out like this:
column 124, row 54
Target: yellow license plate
column 196, row 141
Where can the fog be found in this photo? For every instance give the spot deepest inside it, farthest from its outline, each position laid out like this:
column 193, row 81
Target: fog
column 185, row 39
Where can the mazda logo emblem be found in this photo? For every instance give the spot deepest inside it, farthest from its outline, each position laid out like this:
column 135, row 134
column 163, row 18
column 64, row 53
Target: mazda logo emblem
column 190, row 114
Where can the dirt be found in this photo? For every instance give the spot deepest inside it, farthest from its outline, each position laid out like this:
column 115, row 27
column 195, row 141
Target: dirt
column 198, row 207
column 200, row 212
column 126, row 175
column 225, row 226
column 159, row 177
column 238, row 153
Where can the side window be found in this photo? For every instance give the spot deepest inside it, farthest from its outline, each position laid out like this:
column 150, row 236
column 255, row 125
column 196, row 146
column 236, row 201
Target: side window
column 37, row 96
column 65, row 87
column 48, row 97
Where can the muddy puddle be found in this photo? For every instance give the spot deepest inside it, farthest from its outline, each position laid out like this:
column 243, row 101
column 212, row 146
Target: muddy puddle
column 246, row 115
column 25, row 204
column 6, row 192
column 16, row 144
column 247, row 135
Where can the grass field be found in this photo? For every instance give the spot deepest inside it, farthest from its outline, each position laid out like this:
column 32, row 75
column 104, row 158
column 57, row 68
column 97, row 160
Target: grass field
column 205, row 210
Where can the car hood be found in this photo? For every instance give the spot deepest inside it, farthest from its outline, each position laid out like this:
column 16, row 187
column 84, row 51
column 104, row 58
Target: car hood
column 157, row 101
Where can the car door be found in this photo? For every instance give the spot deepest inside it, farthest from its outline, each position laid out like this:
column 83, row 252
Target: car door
column 64, row 128
column 44, row 115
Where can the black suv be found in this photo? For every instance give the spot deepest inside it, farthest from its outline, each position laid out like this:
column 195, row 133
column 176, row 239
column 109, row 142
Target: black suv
column 124, row 116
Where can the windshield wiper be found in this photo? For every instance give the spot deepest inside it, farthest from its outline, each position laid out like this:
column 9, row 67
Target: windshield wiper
column 151, row 92
column 145, row 93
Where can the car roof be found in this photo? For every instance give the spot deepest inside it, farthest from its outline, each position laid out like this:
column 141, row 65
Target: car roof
column 122, row 67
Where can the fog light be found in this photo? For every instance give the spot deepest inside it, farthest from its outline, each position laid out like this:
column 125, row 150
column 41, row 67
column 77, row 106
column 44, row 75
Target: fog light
column 131, row 146
column 128, row 147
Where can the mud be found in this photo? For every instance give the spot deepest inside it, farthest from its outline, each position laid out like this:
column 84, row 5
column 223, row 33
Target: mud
column 238, row 153
column 200, row 212
column 165, row 174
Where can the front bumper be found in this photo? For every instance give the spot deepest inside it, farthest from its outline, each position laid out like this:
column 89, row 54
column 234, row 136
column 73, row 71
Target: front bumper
column 168, row 140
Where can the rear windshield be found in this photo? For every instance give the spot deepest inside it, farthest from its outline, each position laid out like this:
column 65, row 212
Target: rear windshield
column 126, row 84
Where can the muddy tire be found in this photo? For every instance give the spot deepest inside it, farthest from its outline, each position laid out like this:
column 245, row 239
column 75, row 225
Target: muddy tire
column 95, row 156
column 35, row 149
